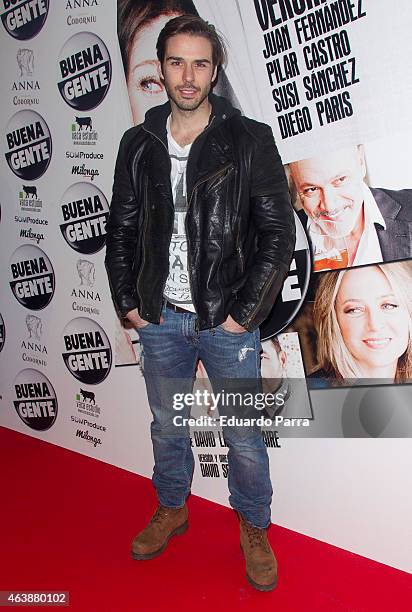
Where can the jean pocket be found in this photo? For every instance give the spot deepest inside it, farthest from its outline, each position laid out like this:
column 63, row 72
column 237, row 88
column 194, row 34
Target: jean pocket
column 139, row 329
column 229, row 333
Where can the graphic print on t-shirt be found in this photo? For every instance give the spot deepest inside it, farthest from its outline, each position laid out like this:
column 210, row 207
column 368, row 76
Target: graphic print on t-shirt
column 177, row 288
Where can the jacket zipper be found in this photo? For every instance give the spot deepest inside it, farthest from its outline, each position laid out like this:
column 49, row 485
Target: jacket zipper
column 188, row 206
column 264, row 292
column 207, row 178
column 239, row 250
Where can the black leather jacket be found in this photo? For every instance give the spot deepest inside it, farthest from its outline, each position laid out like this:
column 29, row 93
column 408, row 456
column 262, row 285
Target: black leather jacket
column 239, row 223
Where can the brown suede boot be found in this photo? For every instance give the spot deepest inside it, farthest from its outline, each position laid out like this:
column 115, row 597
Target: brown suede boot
column 165, row 523
column 261, row 565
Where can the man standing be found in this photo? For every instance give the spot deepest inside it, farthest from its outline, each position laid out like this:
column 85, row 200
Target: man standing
column 199, row 241
column 375, row 224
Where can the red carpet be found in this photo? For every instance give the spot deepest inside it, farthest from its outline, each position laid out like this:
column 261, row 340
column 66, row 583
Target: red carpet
column 67, row 522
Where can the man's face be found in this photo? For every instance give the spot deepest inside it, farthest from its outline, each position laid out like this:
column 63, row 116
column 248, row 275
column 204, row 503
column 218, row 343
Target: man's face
column 330, row 188
column 188, row 70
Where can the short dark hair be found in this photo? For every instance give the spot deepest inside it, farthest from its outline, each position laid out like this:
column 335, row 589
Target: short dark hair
column 195, row 26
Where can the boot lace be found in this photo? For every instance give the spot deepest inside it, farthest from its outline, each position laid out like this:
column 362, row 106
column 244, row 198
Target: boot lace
column 160, row 514
column 257, row 537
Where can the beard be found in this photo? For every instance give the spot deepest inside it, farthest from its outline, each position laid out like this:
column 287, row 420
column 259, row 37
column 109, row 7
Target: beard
column 189, row 104
column 342, row 227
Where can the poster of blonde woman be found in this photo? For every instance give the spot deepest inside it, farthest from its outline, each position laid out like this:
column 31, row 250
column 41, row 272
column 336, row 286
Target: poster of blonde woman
column 362, row 319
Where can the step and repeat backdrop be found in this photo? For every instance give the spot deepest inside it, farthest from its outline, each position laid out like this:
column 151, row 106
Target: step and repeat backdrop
column 332, row 79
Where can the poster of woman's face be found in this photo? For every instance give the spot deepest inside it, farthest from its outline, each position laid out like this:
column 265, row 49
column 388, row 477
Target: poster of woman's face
column 363, row 323
column 144, row 85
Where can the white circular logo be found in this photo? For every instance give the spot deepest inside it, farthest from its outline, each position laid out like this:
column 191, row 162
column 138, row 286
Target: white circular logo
column 86, row 350
column 28, row 147
column 84, row 212
column 84, row 71
column 32, row 278
column 23, row 19
column 35, row 399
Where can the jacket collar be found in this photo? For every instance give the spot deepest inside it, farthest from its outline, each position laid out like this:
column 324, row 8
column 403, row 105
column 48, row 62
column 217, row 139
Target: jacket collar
column 387, row 203
column 155, row 118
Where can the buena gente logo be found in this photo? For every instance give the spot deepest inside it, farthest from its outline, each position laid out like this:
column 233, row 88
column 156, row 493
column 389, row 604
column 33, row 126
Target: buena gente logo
column 35, row 399
column 23, row 19
column 84, row 211
column 87, row 353
column 84, row 71
column 28, row 145
column 32, row 279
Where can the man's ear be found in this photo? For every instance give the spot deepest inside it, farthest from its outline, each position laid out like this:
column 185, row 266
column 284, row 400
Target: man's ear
column 214, row 76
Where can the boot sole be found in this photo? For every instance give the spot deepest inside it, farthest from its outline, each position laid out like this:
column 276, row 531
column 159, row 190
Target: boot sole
column 256, row 585
column 261, row 587
column 178, row 531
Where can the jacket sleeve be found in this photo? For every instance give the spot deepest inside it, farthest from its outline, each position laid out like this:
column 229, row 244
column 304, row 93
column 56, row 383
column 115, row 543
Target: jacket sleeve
column 272, row 215
column 121, row 239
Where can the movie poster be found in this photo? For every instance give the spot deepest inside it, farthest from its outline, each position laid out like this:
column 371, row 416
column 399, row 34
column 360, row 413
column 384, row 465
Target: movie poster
column 310, row 70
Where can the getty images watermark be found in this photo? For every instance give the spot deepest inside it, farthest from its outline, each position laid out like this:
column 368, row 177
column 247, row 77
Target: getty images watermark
column 230, row 400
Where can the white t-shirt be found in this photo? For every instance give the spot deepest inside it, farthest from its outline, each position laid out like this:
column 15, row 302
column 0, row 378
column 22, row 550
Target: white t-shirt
column 177, row 288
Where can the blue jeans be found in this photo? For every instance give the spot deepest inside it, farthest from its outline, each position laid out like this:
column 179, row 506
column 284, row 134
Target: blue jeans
column 170, row 352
